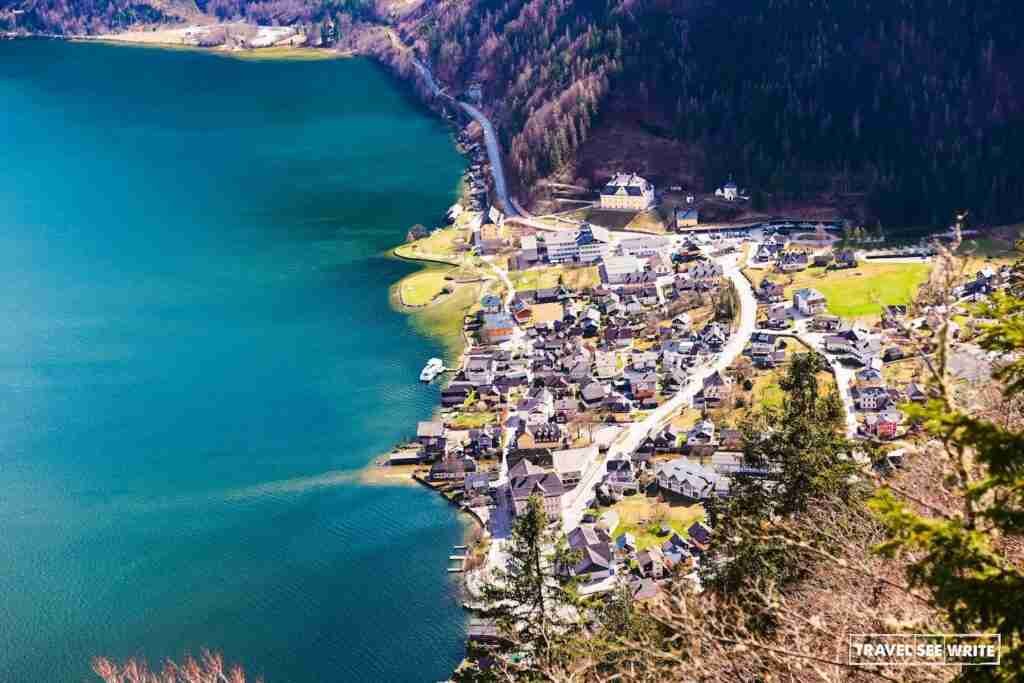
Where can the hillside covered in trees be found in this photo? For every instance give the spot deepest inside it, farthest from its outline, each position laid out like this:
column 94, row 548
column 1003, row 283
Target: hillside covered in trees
column 909, row 107
column 913, row 103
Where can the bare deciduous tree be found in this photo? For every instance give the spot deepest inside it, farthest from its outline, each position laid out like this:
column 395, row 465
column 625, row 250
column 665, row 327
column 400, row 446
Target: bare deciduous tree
column 208, row 668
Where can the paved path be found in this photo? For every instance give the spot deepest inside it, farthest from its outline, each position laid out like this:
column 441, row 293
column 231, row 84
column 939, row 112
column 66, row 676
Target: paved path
column 494, row 155
column 844, row 375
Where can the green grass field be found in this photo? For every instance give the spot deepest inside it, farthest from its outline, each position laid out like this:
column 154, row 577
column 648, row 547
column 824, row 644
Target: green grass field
column 444, row 319
column 419, row 289
column 862, row 291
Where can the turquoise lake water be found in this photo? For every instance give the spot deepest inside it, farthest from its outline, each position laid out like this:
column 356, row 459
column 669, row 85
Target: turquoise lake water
column 197, row 355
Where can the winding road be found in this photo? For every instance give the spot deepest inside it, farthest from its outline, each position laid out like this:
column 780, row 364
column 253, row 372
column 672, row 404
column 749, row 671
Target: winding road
column 490, row 139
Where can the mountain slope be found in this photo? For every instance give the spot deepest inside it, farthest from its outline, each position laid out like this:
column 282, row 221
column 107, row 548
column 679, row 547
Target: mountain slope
column 911, row 102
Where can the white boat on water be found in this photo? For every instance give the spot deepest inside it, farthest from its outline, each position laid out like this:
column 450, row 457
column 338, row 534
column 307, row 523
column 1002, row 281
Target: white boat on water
column 433, row 368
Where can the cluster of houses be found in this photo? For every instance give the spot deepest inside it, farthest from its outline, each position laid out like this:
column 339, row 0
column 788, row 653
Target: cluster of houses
column 774, row 249
column 853, row 344
column 604, row 560
column 692, row 466
column 874, row 402
column 554, row 363
column 984, row 282
column 476, row 176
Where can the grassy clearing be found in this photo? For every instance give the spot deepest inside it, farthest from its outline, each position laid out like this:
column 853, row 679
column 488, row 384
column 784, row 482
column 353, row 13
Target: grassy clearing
column 297, row 54
column 572, row 278
column 643, row 515
column 902, row 372
column 649, row 221
column 854, row 293
column 444, row 319
column 607, row 218
column 766, row 392
column 686, row 419
column 862, row 291
column 420, row 289
column 440, row 245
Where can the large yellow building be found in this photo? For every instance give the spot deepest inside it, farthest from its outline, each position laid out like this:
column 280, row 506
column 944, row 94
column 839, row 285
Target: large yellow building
column 627, row 192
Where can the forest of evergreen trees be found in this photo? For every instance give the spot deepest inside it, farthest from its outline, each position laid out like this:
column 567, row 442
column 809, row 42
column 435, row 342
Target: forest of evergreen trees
column 912, row 103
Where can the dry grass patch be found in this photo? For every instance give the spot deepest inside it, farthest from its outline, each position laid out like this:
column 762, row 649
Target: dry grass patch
column 643, row 515
column 575, row 278
column 440, row 245
column 649, row 221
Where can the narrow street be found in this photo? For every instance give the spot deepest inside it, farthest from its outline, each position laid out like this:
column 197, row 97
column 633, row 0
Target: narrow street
column 844, row 375
column 630, row 439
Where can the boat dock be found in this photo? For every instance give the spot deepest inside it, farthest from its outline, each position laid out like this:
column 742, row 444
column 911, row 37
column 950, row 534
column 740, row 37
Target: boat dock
column 461, row 558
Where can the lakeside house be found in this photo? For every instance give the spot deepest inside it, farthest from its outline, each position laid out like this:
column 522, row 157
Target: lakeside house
column 527, row 479
column 452, row 469
column 431, row 437
column 627, row 192
column 497, row 328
